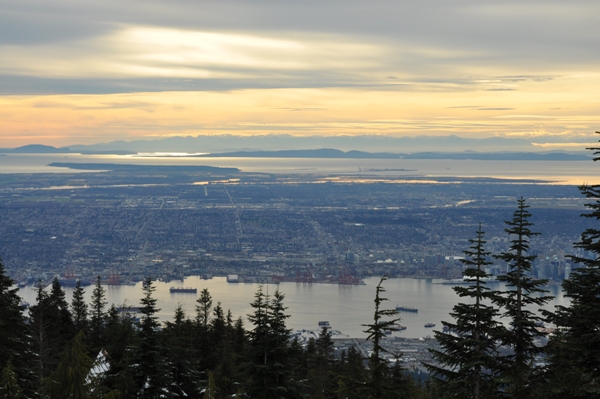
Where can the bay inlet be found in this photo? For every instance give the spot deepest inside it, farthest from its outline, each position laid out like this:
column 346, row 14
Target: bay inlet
column 346, row 307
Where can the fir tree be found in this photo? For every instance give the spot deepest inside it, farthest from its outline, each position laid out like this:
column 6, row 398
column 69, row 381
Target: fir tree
column 79, row 308
column 58, row 297
column 383, row 321
column 320, row 366
column 178, row 336
column 9, row 384
column 217, row 338
column 121, row 344
column 239, row 337
column 468, row 366
column 351, row 375
column 70, row 380
column 223, row 357
column 574, row 370
column 97, row 317
column 267, row 371
column 152, row 375
column 280, row 342
column 202, row 344
column 519, row 375
column 203, row 308
column 15, row 336
column 51, row 327
column 62, row 318
column 211, row 387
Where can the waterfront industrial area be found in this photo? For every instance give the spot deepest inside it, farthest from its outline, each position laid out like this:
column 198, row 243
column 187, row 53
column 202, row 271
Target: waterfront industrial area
column 267, row 228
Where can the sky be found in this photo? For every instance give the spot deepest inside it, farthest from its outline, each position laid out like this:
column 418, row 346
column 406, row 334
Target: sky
column 89, row 71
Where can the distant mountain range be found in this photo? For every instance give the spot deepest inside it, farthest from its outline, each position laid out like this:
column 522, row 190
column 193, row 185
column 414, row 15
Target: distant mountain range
column 47, row 149
column 279, row 146
column 34, row 149
column 335, row 153
column 279, row 142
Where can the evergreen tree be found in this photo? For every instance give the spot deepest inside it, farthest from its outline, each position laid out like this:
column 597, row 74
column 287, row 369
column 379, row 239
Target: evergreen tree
column 15, row 339
column 9, row 384
column 178, row 339
column 320, row 366
column 574, row 370
column 202, row 344
column 217, row 338
column 64, row 323
column 519, row 375
column 121, row 345
column 39, row 323
column 239, row 337
column 223, row 359
column 280, row 335
column 203, row 308
column 468, row 366
column 70, row 380
column 79, row 308
column 97, row 317
column 378, row 386
column 52, row 327
column 351, row 375
column 267, row 370
column 152, row 375
column 211, row 387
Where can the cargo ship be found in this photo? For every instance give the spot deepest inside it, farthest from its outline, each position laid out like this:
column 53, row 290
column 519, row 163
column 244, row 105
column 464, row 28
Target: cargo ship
column 324, row 324
column 406, row 309
column 183, row 290
column 72, row 282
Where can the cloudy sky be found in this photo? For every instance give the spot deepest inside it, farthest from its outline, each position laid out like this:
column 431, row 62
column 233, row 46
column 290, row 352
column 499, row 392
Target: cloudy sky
column 87, row 71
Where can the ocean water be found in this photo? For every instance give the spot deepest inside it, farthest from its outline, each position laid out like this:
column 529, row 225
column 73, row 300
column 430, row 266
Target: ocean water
column 346, row 307
column 558, row 172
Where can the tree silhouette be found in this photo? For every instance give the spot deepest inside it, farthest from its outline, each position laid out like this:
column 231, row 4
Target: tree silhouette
column 468, row 359
column 574, row 370
column 519, row 375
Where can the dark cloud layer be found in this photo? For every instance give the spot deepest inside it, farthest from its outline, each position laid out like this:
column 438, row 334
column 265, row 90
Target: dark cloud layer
column 429, row 39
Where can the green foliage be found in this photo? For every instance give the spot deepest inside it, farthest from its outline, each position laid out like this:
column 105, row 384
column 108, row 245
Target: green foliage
column 96, row 338
column 378, row 385
column 202, row 346
column 70, row 380
column 268, row 362
column 178, row 336
column 519, row 375
column 9, row 384
column 52, row 327
column 15, row 337
column 121, row 345
column 211, row 388
column 79, row 309
column 320, row 368
column 151, row 374
column 351, row 375
column 574, row 369
column 203, row 308
column 469, row 356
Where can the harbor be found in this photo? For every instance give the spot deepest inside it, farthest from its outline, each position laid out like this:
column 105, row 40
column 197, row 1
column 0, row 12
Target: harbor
column 345, row 307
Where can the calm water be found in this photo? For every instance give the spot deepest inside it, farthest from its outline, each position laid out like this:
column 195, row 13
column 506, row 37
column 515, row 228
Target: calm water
column 564, row 172
column 345, row 307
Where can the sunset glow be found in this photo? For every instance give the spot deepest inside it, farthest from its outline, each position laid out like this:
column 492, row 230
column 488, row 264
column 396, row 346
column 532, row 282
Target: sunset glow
column 472, row 70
